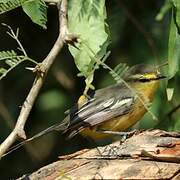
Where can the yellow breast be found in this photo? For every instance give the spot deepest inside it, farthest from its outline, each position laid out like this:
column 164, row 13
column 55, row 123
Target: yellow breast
column 123, row 122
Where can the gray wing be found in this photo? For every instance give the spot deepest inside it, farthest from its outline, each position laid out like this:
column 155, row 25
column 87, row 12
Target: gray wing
column 105, row 104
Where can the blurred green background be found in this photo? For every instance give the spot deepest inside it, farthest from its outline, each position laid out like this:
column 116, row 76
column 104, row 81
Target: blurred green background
column 136, row 38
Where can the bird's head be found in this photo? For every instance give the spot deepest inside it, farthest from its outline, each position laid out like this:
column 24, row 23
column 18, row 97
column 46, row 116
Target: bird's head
column 143, row 73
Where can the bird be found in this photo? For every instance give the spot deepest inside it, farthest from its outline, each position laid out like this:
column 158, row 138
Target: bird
column 114, row 108
column 110, row 110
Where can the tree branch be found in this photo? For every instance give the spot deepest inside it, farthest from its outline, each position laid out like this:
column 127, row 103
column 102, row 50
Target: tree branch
column 41, row 70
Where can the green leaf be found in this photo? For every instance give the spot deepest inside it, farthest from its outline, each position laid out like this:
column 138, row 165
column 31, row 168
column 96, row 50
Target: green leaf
column 164, row 9
column 7, row 5
column 87, row 19
column 170, row 89
column 89, row 80
column 173, row 48
column 4, row 55
column 3, row 70
column 37, row 11
column 169, row 92
column 176, row 4
column 4, row 1
column 11, row 59
column 119, row 71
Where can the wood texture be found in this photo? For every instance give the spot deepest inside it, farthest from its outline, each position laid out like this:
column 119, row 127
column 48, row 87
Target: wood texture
column 147, row 155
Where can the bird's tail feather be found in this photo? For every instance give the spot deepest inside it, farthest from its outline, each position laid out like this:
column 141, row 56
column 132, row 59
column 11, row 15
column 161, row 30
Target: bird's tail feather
column 63, row 126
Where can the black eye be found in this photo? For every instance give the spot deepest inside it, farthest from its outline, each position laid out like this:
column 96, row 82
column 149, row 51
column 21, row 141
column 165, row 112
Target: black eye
column 144, row 80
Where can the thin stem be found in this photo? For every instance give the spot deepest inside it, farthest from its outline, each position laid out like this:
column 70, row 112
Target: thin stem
column 11, row 68
column 32, row 60
column 15, row 37
column 125, row 83
column 20, row 45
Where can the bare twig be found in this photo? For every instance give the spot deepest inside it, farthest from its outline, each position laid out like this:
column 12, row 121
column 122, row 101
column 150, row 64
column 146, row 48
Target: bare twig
column 15, row 37
column 43, row 68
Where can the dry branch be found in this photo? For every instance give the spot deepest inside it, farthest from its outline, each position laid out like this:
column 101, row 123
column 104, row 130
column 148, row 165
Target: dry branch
column 41, row 70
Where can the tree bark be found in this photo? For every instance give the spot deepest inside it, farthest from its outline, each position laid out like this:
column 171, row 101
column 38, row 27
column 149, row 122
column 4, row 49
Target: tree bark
column 151, row 154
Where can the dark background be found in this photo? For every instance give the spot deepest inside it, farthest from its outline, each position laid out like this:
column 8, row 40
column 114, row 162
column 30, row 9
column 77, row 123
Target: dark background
column 136, row 38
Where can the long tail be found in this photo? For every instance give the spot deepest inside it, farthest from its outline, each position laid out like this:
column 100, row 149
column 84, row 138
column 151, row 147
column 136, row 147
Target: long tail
column 56, row 127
